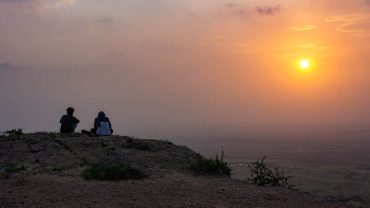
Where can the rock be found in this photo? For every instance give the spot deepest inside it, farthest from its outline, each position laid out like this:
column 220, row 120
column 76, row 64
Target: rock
column 354, row 198
column 355, row 204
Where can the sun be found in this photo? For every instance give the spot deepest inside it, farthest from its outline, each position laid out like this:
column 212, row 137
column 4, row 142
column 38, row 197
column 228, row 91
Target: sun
column 304, row 64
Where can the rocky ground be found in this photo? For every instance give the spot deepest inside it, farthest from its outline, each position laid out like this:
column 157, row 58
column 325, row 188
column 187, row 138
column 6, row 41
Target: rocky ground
column 43, row 170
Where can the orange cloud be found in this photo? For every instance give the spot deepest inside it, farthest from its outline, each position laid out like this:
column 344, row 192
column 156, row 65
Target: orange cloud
column 303, row 28
column 358, row 23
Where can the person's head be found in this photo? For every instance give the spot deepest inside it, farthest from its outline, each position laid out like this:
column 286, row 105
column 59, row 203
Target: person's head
column 70, row 111
column 101, row 114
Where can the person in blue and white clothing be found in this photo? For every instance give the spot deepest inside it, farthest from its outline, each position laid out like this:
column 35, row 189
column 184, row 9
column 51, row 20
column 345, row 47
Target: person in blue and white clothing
column 102, row 125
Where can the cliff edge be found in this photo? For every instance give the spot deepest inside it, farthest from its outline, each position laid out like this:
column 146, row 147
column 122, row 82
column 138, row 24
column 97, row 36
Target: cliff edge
column 44, row 170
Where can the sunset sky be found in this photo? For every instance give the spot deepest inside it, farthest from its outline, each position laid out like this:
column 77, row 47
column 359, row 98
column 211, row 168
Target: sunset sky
column 162, row 67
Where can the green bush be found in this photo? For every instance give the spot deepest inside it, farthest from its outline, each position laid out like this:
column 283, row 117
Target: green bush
column 262, row 175
column 111, row 172
column 217, row 166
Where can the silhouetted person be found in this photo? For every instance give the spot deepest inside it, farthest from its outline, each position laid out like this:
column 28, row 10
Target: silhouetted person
column 68, row 122
column 102, row 125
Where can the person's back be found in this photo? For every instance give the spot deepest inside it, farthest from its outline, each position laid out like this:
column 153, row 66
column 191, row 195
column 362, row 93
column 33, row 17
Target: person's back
column 68, row 122
column 103, row 129
column 102, row 125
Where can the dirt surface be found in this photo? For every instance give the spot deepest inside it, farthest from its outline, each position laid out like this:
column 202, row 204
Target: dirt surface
column 173, row 190
column 42, row 170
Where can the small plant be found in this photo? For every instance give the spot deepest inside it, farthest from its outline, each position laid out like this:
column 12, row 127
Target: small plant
column 217, row 166
column 111, row 172
column 262, row 175
column 13, row 132
column 12, row 168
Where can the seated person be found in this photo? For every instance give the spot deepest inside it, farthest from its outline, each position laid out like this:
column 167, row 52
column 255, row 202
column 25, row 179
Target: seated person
column 68, row 122
column 102, row 125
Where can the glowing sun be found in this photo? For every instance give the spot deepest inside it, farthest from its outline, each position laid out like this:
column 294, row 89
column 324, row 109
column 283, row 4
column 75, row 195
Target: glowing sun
column 304, row 64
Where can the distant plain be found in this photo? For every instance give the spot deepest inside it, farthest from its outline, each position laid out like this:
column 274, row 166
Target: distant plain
column 328, row 162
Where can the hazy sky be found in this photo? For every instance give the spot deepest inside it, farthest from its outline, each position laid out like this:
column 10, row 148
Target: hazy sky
column 160, row 68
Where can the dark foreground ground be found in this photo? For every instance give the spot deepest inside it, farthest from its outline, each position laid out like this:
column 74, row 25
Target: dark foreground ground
column 45, row 172
column 173, row 190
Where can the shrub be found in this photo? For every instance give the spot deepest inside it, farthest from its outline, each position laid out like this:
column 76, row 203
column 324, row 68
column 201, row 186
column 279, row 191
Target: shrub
column 12, row 168
column 111, row 172
column 262, row 175
column 217, row 166
column 13, row 132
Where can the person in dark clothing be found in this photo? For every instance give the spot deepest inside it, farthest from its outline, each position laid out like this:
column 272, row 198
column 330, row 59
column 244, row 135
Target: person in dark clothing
column 68, row 122
column 102, row 125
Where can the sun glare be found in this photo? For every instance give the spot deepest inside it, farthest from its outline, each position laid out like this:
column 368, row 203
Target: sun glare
column 304, row 64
